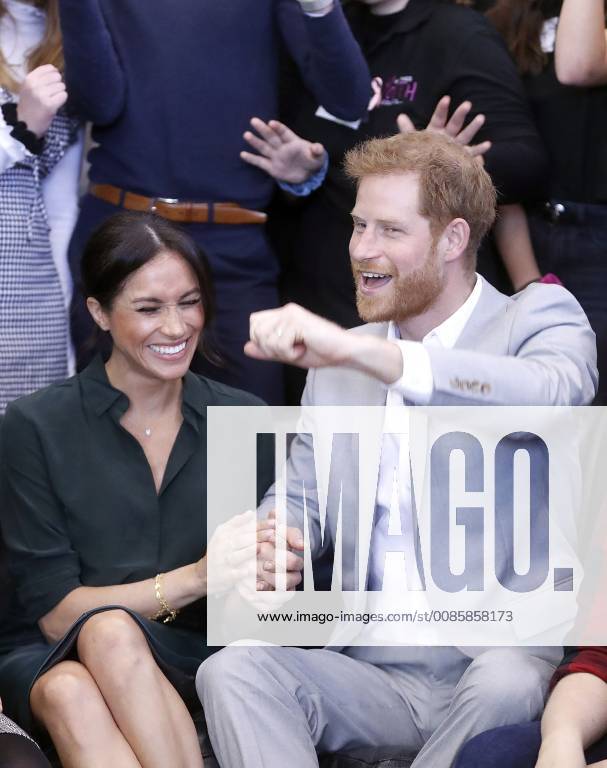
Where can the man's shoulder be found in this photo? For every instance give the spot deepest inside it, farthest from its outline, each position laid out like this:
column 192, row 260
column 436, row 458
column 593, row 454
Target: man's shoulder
column 544, row 298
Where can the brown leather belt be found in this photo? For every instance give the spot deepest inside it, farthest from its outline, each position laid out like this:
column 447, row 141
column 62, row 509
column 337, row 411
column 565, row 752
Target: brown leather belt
column 178, row 210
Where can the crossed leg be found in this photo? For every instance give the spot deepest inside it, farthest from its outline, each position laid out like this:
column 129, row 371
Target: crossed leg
column 114, row 707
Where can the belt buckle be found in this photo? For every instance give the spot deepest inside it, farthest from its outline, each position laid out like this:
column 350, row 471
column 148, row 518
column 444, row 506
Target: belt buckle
column 164, row 201
column 554, row 211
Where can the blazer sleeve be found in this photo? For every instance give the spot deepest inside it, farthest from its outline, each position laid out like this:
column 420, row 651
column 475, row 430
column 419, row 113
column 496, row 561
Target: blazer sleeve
column 41, row 559
column 328, row 58
column 94, row 77
column 551, row 360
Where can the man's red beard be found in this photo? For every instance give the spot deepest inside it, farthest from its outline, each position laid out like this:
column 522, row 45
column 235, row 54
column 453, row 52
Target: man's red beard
column 406, row 296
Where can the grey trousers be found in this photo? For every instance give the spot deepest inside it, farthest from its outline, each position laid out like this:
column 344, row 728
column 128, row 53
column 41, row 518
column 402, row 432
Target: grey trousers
column 267, row 706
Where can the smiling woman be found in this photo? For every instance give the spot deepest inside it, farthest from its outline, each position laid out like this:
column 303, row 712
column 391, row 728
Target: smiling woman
column 103, row 513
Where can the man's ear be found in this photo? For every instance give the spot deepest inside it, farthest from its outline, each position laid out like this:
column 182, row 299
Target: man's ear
column 98, row 314
column 455, row 239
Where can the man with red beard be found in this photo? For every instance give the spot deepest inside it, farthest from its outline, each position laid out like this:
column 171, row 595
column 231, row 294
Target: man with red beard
column 437, row 334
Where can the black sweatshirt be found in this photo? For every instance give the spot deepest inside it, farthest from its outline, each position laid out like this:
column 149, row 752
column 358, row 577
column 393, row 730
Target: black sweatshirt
column 428, row 50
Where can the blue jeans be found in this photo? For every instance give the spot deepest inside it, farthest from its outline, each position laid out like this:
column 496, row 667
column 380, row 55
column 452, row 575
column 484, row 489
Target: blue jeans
column 574, row 247
column 513, row 746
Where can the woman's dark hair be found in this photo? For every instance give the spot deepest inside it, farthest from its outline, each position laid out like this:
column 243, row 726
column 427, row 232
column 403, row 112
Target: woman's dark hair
column 128, row 241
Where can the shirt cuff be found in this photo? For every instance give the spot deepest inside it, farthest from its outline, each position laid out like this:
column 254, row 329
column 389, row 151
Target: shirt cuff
column 12, row 149
column 315, row 14
column 417, row 382
column 306, row 188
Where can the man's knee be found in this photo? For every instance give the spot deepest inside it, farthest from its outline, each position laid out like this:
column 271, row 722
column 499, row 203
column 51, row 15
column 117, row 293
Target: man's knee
column 509, row 681
column 234, row 670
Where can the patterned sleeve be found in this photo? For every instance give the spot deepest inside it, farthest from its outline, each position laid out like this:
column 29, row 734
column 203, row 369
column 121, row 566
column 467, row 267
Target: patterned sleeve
column 591, row 659
column 12, row 151
column 60, row 136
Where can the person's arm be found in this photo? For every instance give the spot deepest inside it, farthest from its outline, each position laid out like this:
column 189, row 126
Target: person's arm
column 292, row 334
column 553, row 360
column 94, row 76
column 575, row 717
column 42, row 95
column 46, row 567
column 513, row 241
column 328, row 57
column 485, row 75
column 580, row 56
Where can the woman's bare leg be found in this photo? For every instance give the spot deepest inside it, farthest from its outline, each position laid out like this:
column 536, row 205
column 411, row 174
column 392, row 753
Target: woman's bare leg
column 147, row 709
column 68, row 703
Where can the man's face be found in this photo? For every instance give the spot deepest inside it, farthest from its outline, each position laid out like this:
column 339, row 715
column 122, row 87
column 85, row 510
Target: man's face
column 397, row 268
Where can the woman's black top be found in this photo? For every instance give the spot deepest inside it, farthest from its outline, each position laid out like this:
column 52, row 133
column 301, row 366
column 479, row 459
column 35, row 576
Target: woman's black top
column 78, row 504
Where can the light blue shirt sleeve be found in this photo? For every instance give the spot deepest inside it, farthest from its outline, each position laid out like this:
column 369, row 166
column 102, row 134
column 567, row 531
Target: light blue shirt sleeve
column 306, row 188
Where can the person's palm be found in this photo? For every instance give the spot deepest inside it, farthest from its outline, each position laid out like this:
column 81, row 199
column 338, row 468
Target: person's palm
column 281, row 153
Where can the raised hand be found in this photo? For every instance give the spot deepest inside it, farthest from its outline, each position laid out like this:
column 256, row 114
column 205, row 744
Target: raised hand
column 453, row 126
column 281, row 153
column 42, row 95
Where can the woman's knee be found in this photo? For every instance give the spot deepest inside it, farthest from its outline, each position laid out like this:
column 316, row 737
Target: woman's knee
column 62, row 693
column 112, row 635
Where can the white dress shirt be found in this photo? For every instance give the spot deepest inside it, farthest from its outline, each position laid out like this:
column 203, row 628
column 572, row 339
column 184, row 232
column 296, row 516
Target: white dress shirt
column 390, row 571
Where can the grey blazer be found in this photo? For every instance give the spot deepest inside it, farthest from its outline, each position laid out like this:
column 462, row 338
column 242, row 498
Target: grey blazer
column 535, row 348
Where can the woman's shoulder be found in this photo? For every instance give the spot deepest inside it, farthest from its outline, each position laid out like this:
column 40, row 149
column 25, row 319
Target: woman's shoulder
column 46, row 405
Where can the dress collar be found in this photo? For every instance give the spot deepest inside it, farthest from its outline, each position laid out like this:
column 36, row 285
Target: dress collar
column 99, row 392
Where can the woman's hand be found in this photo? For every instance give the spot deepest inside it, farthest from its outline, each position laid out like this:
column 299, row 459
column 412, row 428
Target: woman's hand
column 232, row 554
column 282, row 154
column 42, row 95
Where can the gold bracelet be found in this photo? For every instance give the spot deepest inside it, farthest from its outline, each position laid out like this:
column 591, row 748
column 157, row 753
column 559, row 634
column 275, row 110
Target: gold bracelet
column 166, row 613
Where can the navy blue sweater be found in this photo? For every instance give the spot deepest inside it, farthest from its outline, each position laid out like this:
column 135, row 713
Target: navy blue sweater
column 170, row 86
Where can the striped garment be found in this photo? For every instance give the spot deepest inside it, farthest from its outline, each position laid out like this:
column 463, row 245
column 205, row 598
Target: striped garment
column 588, row 658
column 33, row 319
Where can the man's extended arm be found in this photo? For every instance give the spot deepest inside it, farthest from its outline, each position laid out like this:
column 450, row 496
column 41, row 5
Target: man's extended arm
column 552, row 359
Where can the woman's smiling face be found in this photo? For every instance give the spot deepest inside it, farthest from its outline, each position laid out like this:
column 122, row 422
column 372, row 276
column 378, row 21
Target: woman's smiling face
column 156, row 319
